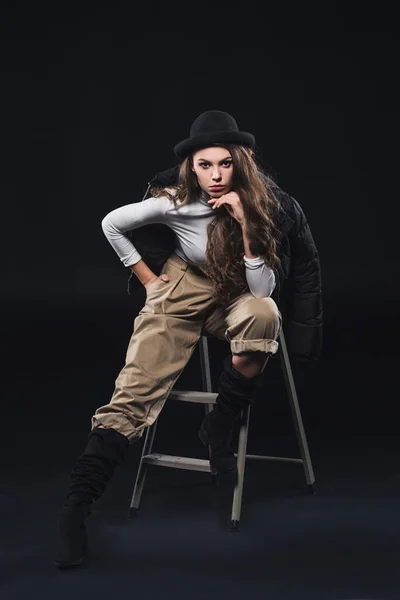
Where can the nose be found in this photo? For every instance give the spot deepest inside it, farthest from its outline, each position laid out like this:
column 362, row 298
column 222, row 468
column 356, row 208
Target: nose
column 216, row 176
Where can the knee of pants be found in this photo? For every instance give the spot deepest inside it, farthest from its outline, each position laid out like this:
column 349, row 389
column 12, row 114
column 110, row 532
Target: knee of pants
column 263, row 318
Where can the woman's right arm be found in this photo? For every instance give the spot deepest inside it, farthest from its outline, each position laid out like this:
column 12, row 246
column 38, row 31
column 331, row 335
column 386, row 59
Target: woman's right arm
column 126, row 218
column 143, row 273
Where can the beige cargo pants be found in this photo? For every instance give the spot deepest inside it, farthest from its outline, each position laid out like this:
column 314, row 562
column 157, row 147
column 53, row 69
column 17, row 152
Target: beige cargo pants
column 176, row 313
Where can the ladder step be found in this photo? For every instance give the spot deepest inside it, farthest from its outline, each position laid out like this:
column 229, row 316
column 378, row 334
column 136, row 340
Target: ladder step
column 193, row 396
column 277, row 458
column 177, row 462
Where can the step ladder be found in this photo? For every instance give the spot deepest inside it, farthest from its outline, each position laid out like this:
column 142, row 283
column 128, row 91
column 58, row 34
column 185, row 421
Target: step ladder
column 208, row 398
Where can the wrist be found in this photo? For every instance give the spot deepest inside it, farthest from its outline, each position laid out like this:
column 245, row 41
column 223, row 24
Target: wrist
column 150, row 279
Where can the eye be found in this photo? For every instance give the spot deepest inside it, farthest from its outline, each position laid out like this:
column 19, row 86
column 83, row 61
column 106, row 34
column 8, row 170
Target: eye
column 226, row 163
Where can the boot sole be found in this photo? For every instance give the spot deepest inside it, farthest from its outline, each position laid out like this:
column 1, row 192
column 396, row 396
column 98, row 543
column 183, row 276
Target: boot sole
column 204, row 439
column 69, row 564
column 75, row 563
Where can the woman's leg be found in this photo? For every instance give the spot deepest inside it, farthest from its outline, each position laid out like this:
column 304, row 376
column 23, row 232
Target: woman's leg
column 251, row 325
column 159, row 350
column 250, row 364
column 164, row 338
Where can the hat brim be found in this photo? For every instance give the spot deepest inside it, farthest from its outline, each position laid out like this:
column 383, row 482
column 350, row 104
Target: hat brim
column 184, row 148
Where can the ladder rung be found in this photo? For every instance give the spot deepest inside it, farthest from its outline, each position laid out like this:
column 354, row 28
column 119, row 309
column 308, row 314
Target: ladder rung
column 177, row 462
column 278, row 458
column 199, row 464
column 193, row 396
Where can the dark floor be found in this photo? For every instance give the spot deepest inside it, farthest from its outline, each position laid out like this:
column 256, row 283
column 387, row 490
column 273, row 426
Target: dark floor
column 343, row 543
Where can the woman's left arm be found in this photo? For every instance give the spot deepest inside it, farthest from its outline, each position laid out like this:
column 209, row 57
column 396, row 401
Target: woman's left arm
column 260, row 278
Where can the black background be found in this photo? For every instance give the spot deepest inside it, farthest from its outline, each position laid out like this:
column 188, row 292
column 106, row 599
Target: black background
column 94, row 97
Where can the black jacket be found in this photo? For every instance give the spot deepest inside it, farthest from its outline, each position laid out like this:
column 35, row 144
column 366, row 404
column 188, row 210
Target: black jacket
column 297, row 294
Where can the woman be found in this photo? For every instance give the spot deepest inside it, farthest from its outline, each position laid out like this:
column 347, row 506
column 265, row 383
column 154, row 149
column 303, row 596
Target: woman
column 218, row 281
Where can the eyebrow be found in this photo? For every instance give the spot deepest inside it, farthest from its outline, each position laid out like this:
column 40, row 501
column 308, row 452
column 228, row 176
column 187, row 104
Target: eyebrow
column 221, row 161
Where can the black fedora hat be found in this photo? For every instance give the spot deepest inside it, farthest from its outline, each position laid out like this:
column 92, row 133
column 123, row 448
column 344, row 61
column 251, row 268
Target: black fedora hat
column 213, row 126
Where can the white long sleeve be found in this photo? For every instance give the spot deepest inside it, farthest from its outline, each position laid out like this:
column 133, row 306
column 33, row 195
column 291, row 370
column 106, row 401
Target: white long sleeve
column 128, row 217
column 260, row 277
column 189, row 223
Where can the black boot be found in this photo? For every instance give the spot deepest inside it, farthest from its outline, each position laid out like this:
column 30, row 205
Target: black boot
column 105, row 449
column 235, row 391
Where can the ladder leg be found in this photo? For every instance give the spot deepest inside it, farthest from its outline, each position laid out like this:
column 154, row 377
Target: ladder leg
column 209, row 408
column 206, row 381
column 142, row 469
column 241, row 463
column 205, row 364
column 294, row 406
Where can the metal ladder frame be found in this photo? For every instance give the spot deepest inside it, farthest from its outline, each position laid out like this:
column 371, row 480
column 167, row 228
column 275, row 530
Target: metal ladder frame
column 207, row 397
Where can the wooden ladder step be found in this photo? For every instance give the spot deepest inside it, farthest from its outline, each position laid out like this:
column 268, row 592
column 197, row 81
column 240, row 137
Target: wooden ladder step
column 177, row 462
column 193, row 396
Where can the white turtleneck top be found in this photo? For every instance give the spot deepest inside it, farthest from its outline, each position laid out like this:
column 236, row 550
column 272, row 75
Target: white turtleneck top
column 189, row 223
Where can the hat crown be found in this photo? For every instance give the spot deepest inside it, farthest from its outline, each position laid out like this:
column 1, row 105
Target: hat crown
column 213, row 127
column 213, row 121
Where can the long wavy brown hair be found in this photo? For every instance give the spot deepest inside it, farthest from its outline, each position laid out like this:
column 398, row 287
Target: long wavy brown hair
column 224, row 263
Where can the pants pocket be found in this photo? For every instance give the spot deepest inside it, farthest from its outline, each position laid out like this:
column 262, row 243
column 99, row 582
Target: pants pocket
column 161, row 292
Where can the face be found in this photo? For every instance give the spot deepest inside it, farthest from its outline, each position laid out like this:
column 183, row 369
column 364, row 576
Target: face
column 214, row 167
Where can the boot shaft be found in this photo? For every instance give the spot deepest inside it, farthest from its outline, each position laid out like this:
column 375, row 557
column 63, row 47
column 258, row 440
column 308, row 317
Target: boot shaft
column 105, row 449
column 236, row 391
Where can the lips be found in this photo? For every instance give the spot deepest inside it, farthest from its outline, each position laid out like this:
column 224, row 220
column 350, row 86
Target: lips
column 216, row 187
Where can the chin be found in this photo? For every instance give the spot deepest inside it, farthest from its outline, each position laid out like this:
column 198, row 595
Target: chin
column 215, row 194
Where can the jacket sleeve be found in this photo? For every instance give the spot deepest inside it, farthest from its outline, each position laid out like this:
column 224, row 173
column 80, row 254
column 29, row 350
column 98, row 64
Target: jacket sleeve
column 305, row 314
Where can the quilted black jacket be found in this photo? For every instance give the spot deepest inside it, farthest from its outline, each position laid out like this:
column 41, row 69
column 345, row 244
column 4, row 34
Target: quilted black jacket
column 297, row 294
